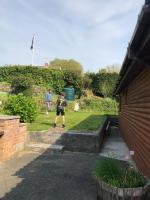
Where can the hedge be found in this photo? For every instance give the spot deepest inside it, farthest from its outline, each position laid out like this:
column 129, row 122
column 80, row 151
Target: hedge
column 50, row 78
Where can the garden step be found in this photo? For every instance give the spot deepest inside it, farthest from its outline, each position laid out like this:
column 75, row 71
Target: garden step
column 45, row 137
column 55, row 139
column 41, row 147
column 81, row 142
column 37, row 147
column 57, row 148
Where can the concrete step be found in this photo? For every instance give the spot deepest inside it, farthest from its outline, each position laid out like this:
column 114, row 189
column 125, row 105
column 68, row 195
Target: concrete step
column 57, row 148
column 55, row 139
column 41, row 147
column 37, row 147
column 47, row 138
column 81, row 142
column 73, row 141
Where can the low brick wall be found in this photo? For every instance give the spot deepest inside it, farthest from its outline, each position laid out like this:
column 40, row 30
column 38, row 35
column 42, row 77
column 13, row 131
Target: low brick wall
column 12, row 136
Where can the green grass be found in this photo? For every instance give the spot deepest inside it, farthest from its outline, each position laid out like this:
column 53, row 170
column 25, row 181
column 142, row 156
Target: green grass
column 3, row 96
column 115, row 174
column 81, row 121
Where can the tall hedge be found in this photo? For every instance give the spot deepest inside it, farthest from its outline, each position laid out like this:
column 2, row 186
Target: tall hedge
column 103, row 83
column 50, row 78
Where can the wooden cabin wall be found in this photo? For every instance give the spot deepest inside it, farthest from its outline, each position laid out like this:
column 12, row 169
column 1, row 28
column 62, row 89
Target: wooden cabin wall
column 134, row 119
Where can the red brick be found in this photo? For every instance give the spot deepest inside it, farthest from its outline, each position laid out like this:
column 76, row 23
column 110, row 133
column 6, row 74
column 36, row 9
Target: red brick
column 14, row 137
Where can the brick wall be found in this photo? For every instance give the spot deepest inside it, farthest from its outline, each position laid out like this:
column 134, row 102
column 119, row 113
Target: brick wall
column 12, row 136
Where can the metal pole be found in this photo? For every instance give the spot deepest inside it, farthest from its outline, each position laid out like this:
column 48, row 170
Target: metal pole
column 33, row 57
column 32, row 48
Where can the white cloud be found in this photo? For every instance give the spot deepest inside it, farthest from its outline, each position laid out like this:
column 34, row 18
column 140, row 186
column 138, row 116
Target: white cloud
column 95, row 11
column 95, row 32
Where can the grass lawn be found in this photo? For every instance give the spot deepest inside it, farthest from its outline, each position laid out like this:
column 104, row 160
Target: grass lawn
column 3, row 96
column 74, row 121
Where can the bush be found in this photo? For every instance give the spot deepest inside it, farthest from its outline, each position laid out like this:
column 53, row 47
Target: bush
column 104, row 105
column 4, row 87
column 21, row 105
column 70, row 106
column 104, row 83
column 49, row 78
column 113, row 173
column 22, row 84
column 3, row 99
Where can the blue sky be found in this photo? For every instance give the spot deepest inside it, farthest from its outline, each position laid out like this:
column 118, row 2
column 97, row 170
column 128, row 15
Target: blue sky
column 94, row 32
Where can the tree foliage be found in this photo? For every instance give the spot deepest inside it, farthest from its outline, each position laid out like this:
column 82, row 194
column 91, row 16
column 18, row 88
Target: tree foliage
column 101, row 83
column 104, row 83
column 111, row 69
column 69, row 65
column 87, row 81
column 50, row 78
column 22, row 84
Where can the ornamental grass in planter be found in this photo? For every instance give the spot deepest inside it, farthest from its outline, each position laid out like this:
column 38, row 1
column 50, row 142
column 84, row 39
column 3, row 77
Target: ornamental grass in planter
column 117, row 181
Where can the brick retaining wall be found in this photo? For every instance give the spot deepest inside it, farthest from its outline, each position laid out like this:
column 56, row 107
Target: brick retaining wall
column 12, row 136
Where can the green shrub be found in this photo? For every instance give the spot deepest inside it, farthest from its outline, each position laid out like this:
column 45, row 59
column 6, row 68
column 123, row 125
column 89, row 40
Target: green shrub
column 22, row 84
column 4, row 87
column 23, row 106
column 103, row 83
column 104, row 105
column 70, row 106
column 115, row 174
column 3, row 98
column 49, row 78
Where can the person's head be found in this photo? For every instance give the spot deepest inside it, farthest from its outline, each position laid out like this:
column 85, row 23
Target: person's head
column 49, row 91
column 62, row 95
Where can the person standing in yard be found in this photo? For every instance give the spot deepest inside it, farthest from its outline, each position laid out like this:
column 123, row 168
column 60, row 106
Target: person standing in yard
column 61, row 103
column 48, row 101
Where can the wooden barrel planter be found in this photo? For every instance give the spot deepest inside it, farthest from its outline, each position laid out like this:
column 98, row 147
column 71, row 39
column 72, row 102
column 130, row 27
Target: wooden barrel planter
column 107, row 192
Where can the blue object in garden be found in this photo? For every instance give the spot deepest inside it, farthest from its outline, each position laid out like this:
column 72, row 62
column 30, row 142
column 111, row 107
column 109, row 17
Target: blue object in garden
column 69, row 93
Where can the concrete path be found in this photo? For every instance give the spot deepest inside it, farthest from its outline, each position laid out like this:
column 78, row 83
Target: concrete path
column 114, row 146
column 31, row 176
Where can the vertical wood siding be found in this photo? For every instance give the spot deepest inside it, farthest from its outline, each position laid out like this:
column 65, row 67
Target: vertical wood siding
column 134, row 119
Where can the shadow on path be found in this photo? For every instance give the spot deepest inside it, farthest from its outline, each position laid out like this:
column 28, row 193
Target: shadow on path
column 48, row 177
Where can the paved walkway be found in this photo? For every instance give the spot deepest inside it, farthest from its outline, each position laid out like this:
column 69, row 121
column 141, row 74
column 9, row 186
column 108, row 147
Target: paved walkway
column 114, row 146
column 32, row 176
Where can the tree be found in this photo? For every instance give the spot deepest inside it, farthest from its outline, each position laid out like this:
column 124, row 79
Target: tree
column 87, row 81
column 22, row 84
column 70, row 65
column 104, row 82
column 110, row 69
column 105, row 88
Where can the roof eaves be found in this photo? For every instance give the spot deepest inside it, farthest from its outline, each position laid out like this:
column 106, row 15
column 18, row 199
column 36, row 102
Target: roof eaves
column 128, row 58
